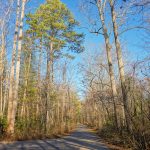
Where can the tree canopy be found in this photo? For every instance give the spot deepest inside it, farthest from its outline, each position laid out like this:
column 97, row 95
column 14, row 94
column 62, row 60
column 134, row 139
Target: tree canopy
column 53, row 22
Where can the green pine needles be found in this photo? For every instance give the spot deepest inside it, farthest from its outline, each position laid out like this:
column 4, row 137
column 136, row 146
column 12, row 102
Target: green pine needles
column 53, row 22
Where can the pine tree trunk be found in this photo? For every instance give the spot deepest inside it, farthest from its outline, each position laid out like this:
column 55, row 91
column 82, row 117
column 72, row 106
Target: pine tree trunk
column 48, row 84
column 39, row 94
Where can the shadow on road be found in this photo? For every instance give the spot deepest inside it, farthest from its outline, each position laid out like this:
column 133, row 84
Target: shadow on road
column 81, row 139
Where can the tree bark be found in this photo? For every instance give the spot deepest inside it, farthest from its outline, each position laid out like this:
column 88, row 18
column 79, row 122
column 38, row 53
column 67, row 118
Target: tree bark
column 5, row 93
column 109, row 59
column 26, row 78
column 121, row 67
column 12, row 70
column 2, row 67
column 48, row 83
column 39, row 94
column 15, row 100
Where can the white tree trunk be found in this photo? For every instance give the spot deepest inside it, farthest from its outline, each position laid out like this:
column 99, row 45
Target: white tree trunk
column 121, row 67
column 11, row 123
column 109, row 59
column 2, row 66
column 12, row 70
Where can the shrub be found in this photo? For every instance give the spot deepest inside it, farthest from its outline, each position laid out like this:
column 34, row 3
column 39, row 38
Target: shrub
column 3, row 125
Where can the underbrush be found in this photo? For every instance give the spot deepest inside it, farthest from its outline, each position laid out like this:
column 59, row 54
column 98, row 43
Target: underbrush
column 33, row 130
column 134, row 141
column 112, row 136
column 3, row 126
column 33, row 134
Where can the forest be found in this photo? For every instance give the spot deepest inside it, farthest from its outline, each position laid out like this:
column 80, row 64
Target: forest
column 65, row 63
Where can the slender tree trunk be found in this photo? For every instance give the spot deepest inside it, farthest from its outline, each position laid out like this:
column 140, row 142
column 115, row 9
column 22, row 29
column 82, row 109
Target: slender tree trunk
column 1, row 95
column 5, row 93
column 62, row 109
column 15, row 100
column 12, row 71
column 109, row 59
column 2, row 69
column 26, row 78
column 48, row 84
column 39, row 94
column 121, row 67
column 52, row 70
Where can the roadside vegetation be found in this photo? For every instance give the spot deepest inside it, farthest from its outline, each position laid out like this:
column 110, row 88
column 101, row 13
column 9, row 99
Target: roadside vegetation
column 34, row 102
column 116, row 86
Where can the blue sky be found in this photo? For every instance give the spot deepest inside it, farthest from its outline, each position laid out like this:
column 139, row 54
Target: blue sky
column 132, row 39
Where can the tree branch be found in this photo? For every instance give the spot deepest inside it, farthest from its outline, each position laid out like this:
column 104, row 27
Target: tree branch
column 132, row 28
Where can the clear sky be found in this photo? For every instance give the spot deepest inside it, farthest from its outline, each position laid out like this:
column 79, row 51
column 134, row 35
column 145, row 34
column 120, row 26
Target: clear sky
column 132, row 39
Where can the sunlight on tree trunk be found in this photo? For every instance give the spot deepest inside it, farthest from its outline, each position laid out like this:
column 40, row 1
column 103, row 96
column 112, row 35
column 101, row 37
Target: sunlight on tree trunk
column 121, row 68
column 11, row 120
column 110, row 65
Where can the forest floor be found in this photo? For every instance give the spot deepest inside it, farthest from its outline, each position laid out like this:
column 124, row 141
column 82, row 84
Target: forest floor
column 80, row 139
